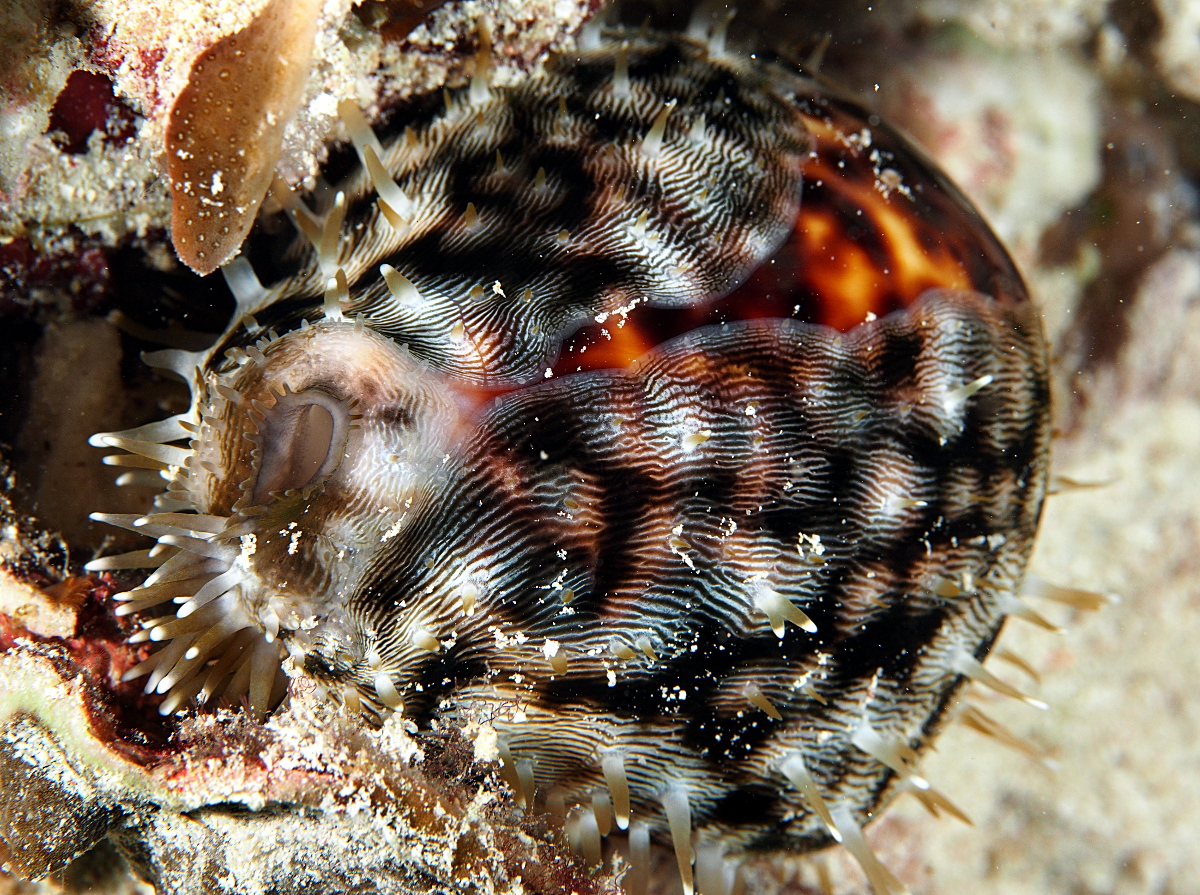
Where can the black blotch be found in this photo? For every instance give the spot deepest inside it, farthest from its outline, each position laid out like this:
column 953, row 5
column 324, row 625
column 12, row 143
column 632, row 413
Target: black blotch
column 440, row 676
column 623, row 504
column 747, row 807
column 395, row 415
column 890, row 642
column 895, row 360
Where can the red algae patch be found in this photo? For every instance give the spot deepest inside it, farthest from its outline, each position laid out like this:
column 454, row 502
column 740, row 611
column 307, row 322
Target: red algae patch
column 87, row 104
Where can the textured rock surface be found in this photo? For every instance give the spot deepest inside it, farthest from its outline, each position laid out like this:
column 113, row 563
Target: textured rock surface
column 310, row 802
column 111, row 189
column 51, row 813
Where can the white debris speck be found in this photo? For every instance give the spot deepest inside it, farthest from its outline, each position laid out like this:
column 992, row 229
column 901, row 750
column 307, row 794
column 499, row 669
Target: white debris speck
column 486, row 744
column 679, row 546
column 393, row 530
column 325, row 104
